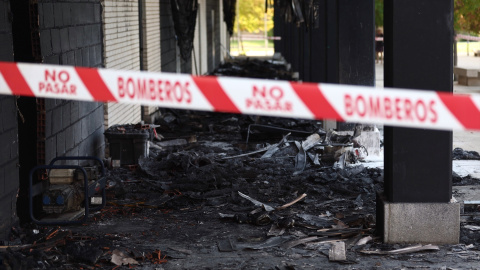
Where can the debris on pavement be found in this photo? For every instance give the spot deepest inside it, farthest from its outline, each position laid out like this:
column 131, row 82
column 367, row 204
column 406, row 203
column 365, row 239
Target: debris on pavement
column 267, row 207
column 297, row 242
column 254, row 68
column 221, row 202
column 472, row 227
column 337, row 252
column 364, row 241
column 460, row 154
column 119, row 258
column 411, row 249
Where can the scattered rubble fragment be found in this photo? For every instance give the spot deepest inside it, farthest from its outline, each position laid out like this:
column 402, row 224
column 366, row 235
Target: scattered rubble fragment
column 337, row 252
column 254, row 68
column 411, row 249
column 460, row 154
column 120, row 258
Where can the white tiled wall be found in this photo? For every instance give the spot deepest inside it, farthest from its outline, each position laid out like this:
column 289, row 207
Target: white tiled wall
column 151, row 36
column 151, row 46
column 121, row 51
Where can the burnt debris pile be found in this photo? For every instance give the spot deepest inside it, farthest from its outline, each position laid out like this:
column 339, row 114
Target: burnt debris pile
column 254, row 68
column 223, row 191
column 460, row 154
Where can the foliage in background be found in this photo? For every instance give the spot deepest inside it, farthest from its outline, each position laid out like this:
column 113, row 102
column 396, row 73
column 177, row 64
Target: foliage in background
column 467, row 16
column 250, row 16
column 378, row 13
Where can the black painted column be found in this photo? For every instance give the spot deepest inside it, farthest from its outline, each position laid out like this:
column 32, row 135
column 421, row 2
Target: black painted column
column 356, row 42
column 356, row 45
column 332, row 41
column 418, row 55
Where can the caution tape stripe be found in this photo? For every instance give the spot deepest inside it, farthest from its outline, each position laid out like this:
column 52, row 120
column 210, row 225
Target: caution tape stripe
column 315, row 100
column 396, row 107
column 15, row 79
column 95, row 84
column 462, row 107
column 212, row 90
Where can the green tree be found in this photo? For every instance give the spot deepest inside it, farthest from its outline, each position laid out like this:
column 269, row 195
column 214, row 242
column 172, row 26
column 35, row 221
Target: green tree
column 378, row 13
column 251, row 16
column 467, row 16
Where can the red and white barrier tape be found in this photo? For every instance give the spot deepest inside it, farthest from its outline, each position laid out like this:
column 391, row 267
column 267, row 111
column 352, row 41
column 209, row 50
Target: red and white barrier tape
column 396, row 107
column 467, row 37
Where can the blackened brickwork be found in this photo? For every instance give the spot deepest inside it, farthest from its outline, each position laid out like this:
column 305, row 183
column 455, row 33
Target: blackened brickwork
column 9, row 177
column 71, row 34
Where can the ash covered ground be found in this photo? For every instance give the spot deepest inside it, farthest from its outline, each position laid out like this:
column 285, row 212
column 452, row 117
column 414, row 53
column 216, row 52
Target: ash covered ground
column 184, row 207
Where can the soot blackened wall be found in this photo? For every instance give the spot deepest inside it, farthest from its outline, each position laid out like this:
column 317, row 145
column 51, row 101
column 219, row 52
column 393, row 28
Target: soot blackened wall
column 70, row 33
column 9, row 177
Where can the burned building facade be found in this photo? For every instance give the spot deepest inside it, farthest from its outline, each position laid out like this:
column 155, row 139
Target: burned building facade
column 9, row 157
column 126, row 34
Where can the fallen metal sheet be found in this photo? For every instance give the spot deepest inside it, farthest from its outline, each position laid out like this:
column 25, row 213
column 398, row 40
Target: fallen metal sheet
column 316, row 221
column 300, row 159
column 324, row 243
column 315, row 158
column 267, row 207
column 294, row 243
column 472, row 227
column 284, row 139
column 275, row 230
column 269, row 243
column 342, row 233
column 270, row 152
column 311, row 141
column 406, row 250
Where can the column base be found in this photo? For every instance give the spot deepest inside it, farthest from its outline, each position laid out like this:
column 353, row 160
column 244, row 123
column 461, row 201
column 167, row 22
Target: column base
column 423, row 223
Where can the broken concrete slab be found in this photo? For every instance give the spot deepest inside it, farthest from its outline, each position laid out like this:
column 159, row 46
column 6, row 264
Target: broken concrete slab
column 427, row 223
column 337, row 252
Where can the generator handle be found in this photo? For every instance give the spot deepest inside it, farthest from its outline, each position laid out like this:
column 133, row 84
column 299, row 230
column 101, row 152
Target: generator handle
column 81, row 158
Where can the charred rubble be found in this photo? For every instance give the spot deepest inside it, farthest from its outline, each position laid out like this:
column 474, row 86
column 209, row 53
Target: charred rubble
column 225, row 191
column 254, row 68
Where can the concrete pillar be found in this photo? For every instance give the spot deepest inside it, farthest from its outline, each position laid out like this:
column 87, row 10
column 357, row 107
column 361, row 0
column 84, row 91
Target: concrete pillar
column 418, row 163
